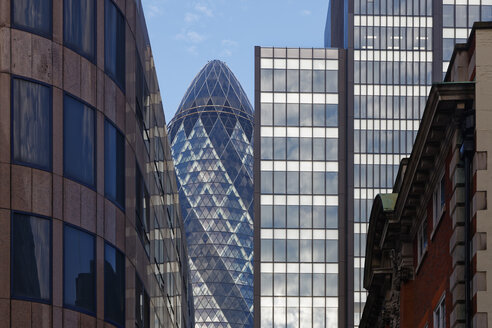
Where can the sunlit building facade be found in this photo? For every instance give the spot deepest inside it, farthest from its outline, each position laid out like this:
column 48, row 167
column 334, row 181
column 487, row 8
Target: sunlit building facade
column 211, row 136
column 300, row 173
column 91, row 228
column 395, row 51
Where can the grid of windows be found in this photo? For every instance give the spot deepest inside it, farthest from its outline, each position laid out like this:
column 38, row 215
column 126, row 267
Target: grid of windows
column 299, row 187
column 458, row 17
column 392, row 73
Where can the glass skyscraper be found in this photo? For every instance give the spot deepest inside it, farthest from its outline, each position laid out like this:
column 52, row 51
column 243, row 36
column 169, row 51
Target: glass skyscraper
column 299, row 187
column 395, row 51
column 211, row 136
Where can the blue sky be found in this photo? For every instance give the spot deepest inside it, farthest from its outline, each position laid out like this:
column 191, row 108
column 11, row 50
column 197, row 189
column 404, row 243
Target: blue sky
column 186, row 34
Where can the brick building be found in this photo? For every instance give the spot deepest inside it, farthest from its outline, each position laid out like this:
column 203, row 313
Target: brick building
column 90, row 224
column 428, row 255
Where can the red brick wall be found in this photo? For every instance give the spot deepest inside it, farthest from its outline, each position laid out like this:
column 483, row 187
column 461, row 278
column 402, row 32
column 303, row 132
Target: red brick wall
column 419, row 297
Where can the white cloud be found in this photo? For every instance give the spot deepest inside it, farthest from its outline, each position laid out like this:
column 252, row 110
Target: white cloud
column 228, row 46
column 191, row 17
column 190, row 36
column 305, row 12
column 153, row 8
column 201, row 8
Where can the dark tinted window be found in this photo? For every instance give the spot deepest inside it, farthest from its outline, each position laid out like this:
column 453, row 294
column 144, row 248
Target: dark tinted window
column 31, row 128
column 32, row 15
column 31, row 257
column 142, row 210
column 79, row 147
column 79, row 279
column 114, row 43
column 114, row 285
column 142, row 302
column 79, row 17
column 114, row 164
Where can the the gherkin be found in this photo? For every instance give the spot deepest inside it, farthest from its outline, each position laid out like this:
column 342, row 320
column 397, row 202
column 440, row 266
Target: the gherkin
column 211, row 136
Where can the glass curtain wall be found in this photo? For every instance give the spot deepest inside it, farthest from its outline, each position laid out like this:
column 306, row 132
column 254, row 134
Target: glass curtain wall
column 299, row 168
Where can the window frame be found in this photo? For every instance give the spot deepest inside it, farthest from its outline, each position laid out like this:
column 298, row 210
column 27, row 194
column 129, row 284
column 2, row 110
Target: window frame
column 69, row 176
column 115, row 201
column 440, row 312
column 437, row 196
column 29, row 29
column 73, row 47
column 138, row 218
column 117, row 250
column 422, row 240
column 31, row 299
column 50, row 119
column 113, row 77
column 64, row 304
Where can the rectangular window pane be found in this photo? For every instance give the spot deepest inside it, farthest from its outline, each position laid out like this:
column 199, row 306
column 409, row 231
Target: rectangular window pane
column 114, row 164
column 79, row 144
column 31, row 257
column 142, row 211
column 79, row 279
column 33, row 15
column 142, row 305
column 79, row 26
column 114, row 43
column 114, row 285
column 31, row 128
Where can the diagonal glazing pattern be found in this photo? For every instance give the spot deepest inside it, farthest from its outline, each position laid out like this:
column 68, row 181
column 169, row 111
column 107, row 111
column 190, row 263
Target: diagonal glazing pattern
column 211, row 136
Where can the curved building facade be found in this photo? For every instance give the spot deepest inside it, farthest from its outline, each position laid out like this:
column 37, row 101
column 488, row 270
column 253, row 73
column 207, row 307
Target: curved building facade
column 211, row 141
column 91, row 229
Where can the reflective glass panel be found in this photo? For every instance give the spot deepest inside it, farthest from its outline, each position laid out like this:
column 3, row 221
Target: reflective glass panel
column 31, row 127
column 79, row 26
column 114, row 285
column 79, row 287
column 114, row 164
column 31, row 257
column 114, row 43
column 33, row 15
column 79, row 147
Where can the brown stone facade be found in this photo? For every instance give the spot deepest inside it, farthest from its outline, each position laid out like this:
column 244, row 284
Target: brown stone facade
column 416, row 259
column 162, row 268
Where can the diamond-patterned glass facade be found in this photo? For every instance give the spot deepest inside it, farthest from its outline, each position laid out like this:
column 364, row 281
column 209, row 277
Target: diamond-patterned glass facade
column 211, row 136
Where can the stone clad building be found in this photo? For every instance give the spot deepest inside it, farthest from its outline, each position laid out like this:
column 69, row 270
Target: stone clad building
column 428, row 254
column 91, row 228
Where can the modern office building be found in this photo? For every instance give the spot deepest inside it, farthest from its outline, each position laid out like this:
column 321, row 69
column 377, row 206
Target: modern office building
column 91, row 228
column 211, row 136
column 300, row 194
column 395, row 51
column 427, row 257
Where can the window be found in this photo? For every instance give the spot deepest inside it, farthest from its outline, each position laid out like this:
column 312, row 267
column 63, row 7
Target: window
column 79, row 142
column 440, row 313
column 79, row 28
column 422, row 240
column 32, row 15
column 114, row 164
column 79, row 270
column 438, row 202
column 142, row 210
column 114, row 43
column 31, row 257
column 114, row 285
column 142, row 302
column 31, row 124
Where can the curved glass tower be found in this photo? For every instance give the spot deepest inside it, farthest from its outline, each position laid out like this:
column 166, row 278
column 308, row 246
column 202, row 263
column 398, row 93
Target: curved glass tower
column 211, row 136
